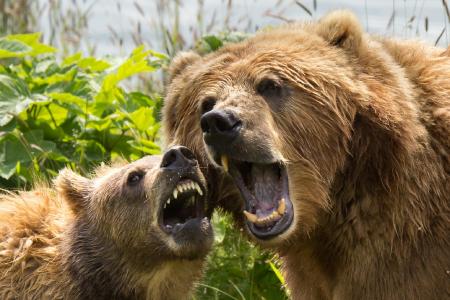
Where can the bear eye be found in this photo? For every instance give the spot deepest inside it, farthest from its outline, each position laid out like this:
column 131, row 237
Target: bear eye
column 134, row 177
column 269, row 88
column 207, row 105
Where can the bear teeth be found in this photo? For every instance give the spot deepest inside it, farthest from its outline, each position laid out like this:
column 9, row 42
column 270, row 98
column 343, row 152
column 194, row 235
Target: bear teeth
column 281, row 206
column 184, row 187
column 267, row 220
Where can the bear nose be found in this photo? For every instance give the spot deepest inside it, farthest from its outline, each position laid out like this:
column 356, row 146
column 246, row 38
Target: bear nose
column 178, row 157
column 220, row 127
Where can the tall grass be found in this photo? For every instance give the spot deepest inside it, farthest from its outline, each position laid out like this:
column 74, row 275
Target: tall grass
column 67, row 24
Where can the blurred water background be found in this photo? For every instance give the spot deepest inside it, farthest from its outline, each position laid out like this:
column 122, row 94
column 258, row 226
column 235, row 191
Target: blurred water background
column 116, row 27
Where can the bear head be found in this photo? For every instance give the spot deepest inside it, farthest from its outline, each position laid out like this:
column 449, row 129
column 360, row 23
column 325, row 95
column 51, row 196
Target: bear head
column 276, row 118
column 150, row 210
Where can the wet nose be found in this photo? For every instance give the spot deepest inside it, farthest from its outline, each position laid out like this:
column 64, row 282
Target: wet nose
column 178, row 157
column 220, row 127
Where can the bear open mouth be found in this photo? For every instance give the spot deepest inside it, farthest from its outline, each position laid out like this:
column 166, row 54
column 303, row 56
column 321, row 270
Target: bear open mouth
column 265, row 189
column 185, row 203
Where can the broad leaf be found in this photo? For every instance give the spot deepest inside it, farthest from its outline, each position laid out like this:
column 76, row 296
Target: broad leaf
column 14, row 97
column 143, row 118
column 20, row 45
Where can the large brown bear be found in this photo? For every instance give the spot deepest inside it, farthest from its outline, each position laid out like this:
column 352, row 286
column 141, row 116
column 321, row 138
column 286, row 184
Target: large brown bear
column 334, row 146
column 137, row 231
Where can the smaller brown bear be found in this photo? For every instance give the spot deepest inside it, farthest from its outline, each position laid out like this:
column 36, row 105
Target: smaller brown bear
column 139, row 231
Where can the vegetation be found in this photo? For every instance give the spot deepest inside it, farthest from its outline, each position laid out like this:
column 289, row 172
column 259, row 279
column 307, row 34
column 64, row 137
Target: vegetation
column 74, row 112
column 70, row 113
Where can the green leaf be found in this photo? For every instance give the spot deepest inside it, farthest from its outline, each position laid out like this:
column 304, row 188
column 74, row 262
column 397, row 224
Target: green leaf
column 68, row 98
column 35, row 139
column 149, row 144
column 142, row 118
column 45, row 67
column 277, row 272
column 7, row 169
column 14, row 97
column 13, row 48
column 12, row 150
column 92, row 64
column 99, row 124
column 55, row 78
column 213, row 42
column 136, row 63
column 145, row 149
column 72, row 59
column 20, row 45
column 91, row 150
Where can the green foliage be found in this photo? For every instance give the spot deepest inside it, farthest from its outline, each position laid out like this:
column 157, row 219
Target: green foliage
column 237, row 269
column 73, row 112
column 211, row 43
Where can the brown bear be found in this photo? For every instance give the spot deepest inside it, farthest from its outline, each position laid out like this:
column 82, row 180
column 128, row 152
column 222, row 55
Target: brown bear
column 138, row 231
column 330, row 146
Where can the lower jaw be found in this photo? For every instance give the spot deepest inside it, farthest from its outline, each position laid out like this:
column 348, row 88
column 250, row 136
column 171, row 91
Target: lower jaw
column 192, row 232
column 274, row 232
column 279, row 227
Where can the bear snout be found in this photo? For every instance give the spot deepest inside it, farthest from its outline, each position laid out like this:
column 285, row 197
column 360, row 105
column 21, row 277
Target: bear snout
column 220, row 127
column 178, row 157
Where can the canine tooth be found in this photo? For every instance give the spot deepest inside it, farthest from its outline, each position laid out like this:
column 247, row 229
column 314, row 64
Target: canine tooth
column 199, row 190
column 251, row 217
column 281, row 206
column 224, row 162
column 175, row 193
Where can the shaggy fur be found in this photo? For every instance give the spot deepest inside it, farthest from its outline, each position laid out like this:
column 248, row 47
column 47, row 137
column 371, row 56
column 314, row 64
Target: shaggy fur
column 363, row 125
column 94, row 239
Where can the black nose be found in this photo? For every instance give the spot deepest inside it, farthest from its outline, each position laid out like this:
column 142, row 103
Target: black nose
column 220, row 127
column 178, row 157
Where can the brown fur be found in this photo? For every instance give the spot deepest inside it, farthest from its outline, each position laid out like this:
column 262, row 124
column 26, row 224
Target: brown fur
column 364, row 129
column 93, row 239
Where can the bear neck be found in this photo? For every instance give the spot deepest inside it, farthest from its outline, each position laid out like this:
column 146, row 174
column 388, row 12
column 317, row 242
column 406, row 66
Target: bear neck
column 100, row 270
column 390, row 205
column 94, row 265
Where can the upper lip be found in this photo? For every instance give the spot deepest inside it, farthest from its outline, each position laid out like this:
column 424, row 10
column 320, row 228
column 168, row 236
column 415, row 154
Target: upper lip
column 224, row 160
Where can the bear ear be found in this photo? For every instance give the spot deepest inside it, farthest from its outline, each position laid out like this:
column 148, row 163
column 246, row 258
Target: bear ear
column 342, row 29
column 180, row 62
column 73, row 188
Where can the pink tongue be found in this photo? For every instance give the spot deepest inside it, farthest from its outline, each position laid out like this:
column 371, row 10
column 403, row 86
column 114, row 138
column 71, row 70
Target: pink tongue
column 266, row 186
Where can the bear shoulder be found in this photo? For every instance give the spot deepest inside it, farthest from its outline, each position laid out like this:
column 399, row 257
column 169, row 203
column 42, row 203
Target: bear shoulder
column 31, row 227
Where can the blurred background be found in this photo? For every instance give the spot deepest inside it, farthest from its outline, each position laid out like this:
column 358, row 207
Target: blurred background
column 115, row 27
column 85, row 91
